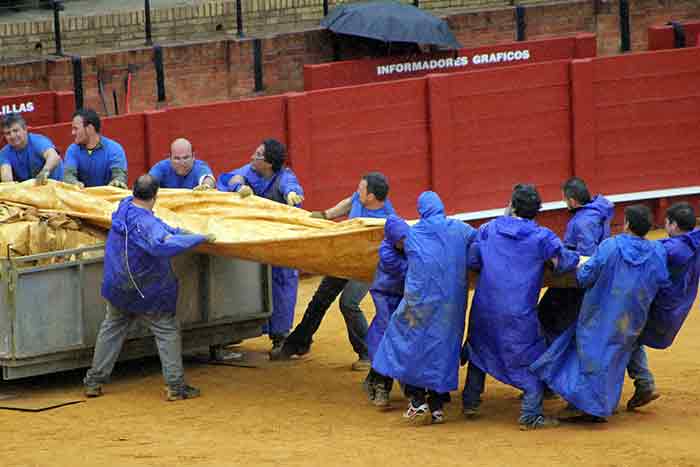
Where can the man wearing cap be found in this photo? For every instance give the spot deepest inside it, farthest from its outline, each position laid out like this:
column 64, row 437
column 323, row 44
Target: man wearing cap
column 183, row 170
column 27, row 155
column 93, row 159
column 267, row 177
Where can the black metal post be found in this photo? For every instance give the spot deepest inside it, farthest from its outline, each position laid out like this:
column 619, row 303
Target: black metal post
column 678, row 34
column 521, row 25
column 160, row 74
column 416, row 3
column 325, row 7
column 624, row 26
column 257, row 65
column 239, row 18
column 78, row 82
column 147, row 15
column 57, row 7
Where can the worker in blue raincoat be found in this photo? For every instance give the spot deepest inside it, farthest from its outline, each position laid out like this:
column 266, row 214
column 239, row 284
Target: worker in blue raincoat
column 421, row 345
column 183, row 170
column 586, row 364
column 672, row 304
column 589, row 225
column 139, row 284
column 504, row 337
column 387, row 292
column 267, row 177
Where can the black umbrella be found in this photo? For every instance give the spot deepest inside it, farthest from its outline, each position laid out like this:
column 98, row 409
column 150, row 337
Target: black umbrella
column 390, row 22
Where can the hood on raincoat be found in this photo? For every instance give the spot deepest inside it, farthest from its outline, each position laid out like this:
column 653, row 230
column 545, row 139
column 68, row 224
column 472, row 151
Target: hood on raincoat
column 395, row 229
column 430, row 204
column 634, row 250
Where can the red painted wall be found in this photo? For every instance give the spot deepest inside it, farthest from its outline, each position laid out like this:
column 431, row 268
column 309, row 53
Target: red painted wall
column 661, row 36
column 42, row 108
column 353, row 72
column 627, row 123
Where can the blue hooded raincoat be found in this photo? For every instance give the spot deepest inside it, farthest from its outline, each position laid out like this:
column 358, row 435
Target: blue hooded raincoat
column 285, row 281
column 388, row 285
column 138, row 277
column 504, row 336
column 422, row 343
column 586, row 364
column 672, row 304
column 589, row 226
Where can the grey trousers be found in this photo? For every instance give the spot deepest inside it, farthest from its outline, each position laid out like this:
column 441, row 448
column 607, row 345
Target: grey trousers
column 110, row 340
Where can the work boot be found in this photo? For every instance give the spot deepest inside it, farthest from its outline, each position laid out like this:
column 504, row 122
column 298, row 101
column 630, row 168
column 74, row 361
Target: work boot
column 362, row 364
column 180, row 393
column 539, row 423
column 93, row 390
column 277, row 342
column 287, row 351
column 381, row 397
column 471, row 413
column 642, row 398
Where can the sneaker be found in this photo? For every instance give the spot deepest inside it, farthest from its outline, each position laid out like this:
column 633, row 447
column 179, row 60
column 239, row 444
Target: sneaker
column 286, row 352
column 471, row 413
column 93, row 391
column 183, row 392
column 370, row 389
column 381, row 397
column 539, row 423
column 642, row 398
column 363, row 364
column 418, row 415
column 437, row 417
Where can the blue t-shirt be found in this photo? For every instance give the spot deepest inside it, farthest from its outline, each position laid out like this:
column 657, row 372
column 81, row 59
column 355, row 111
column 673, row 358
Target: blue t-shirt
column 168, row 178
column 95, row 169
column 27, row 162
column 358, row 210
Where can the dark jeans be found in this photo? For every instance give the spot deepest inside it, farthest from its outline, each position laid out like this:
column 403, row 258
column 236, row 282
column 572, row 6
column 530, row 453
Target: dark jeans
column 351, row 294
column 377, row 379
column 418, row 397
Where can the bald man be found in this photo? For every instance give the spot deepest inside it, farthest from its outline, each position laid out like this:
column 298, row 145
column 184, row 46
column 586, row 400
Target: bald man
column 183, row 170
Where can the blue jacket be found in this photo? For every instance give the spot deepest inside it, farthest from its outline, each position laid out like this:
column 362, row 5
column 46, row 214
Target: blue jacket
column 95, row 169
column 387, row 288
column 421, row 346
column 504, row 335
column 589, row 226
column 168, row 178
column 586, row 364
column 27, row 162
column 673, row 303
column 138, row 277
column 275, row 188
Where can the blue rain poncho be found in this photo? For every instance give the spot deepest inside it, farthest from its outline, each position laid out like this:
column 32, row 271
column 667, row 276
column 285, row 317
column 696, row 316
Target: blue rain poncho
column 672, row 304
column 504, row 336
column 138, row 277
column 422, row 342
column 589, row 226
column 388, row 285
column 586, row 364
column 285, row 280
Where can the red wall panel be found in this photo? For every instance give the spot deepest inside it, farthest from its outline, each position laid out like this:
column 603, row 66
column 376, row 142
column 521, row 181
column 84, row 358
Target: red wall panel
column 647, row 115
column 224, row 134
column 369, row 128
column 509, row 126
column 42, row 108
column 353, row 72
column 661, row 37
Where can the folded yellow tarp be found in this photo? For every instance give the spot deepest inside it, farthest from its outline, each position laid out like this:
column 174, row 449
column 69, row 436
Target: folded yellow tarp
column 250, row 228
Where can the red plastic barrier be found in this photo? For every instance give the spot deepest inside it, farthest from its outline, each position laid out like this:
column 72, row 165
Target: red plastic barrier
column 353, row 72
column 661, row 37
column 43, row 108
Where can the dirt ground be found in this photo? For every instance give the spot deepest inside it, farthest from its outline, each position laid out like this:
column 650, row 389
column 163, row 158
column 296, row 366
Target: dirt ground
column 313, row 412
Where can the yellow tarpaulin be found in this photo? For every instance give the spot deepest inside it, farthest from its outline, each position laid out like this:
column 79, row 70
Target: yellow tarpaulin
column 249, row 228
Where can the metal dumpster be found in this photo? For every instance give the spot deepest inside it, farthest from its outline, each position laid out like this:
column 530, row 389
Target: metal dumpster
column 51, row 308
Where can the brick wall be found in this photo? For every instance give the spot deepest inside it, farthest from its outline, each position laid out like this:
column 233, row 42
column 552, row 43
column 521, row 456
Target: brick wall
column 222, row 68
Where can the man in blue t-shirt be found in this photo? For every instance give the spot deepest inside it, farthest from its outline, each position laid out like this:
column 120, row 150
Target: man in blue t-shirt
column 27, row 155
column 370, row 200
column 183, row 170
column 93, row 159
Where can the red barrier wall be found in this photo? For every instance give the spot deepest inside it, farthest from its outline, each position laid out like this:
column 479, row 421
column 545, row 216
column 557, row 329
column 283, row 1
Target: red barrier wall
column 661, row 36
column 43, row 108
column 625, row 124
column 353, row 72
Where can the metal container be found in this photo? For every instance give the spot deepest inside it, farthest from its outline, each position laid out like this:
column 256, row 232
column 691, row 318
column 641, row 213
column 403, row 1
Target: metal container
column 51, row 308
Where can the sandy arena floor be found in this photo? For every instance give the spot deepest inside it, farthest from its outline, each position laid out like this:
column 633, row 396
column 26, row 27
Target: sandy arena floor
column 313, row 412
